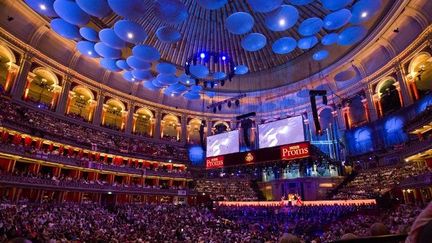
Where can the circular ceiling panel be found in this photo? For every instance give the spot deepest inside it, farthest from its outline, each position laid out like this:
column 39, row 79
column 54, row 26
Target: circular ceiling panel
column 300, row 2
column 320, row 55
column 128, row 76
column 150, row 86
column 337, row 19
column 196, row 88
column 364, row 10
column 168, row 34
column 330, row 39
column 334, row 5
column 157, row 83
column 87, row 48
column 71, row 12
column 307, row 42
column 142, row 74
column 284, row 45
column 352, row 35
column 97, row 8
column 167, row 79
column 219, row 75
column 146, row 53
column 239, row 23
column 65, row 29
column 109, row 64
column 89, row 34
column 254, row 42
column 137, row 63
column 123, row 65
column 241, row 69
column 192, row 95
column 103, row 50
column 199, row 71
column 264, row 6
column 109, row 37
column 129, row 9
column 44, row 7
column 282, row 18
column 212, row 4
column 166, row 68
column 130, row 31
column 170, row 11
column 210, row 94
column 310, row 26
column 184, row 79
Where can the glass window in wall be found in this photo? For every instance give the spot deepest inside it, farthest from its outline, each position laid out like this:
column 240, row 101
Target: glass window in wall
column 170, row 127
column 81, row 103
column 42, row 88
column 7, row 59
column 193, row 130
column 114, row 114
column 143, row 122
column 421, row 70
column 389, row 96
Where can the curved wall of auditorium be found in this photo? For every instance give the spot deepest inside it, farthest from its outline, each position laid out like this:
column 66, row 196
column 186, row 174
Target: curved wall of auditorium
column 392, row 70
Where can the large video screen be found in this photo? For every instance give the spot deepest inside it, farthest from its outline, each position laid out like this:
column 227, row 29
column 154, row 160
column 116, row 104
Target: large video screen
column 281, row 132
column 224, row 143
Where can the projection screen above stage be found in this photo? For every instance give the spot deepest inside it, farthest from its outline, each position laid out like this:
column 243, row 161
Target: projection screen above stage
column 224, row 143
column 281, row 132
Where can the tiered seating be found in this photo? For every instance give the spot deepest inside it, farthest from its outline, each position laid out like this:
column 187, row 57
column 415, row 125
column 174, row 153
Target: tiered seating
column 227, row 189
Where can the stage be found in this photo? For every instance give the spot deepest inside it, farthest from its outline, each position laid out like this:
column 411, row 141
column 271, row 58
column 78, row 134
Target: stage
column 286, row 203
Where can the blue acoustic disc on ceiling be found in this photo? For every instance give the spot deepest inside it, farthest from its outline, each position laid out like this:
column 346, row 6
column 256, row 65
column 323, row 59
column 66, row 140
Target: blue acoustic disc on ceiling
column 167, row 79
column 239, row 23
column 89, row 34
column 168, row 34
column 109, row 64
column 330, row 39
column 97, row 8
column 320, row 55
column 44, row 7
column 123, row 65
column 105, row 51
column 210, row 94
column 87, row 48
column 337, row 19
column 65, row 29
column 364, row 10
column 149, row 85
column 142, row 74
column 196, row 88
column 146, row 53
column 241, row 69
column 212, row 4
column 130, row 31
column 264, row 6
column 307, row 42
column 166, row 68
column 71, row 12
column 192, row 95
column 170, row 11
column 334, row 5
column 301, row 2
column 282, row 18
column 352, row 35
column 199, row 71
column 219, row 75
column 254, row 42
column 174, row 87
column 129, row 9
column 129, row 77
column 284, row 45
column 157, row 83
column 310, row 26
column 109, row 37
column 137, row 63
column 184, row 79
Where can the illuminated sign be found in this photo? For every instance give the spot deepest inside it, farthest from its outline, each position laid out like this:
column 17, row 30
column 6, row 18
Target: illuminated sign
column 249, row 158
column 296, row 151
column 215, row 162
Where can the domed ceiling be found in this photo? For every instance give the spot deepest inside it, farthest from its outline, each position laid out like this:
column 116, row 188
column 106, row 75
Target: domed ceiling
column 150, row 41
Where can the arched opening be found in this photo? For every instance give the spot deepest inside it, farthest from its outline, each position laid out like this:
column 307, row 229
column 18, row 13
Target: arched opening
column 220, row 127
column 42, row 88
column 388, row 95
column 114, row 114
column 81, row 103
column 8, row 69
column 357, row 112
column 143, row 122
column 326, row 118
column 170, row 127
column 193, row 131
column 420, row 71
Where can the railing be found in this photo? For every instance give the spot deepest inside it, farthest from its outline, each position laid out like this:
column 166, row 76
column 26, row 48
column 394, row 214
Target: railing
column 5, row 148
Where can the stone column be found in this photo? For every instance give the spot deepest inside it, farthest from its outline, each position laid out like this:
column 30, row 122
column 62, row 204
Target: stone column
column 129, row 119
column 398, row 88
column 21, row 81
column 98, row 112
column 183, row 131
column 373, row 112
column 366, row 109
column 346, row 116
column 12, row 71
column 403, row 85
column 64, row 95
column 377, row 101
column 158, row 119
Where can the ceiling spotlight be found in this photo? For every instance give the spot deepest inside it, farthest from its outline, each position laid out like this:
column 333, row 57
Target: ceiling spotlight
column 42, row 7
column 90, row 52
column 130, row 35
column 133, row 79
column 223, row 58
column 282, row 22
column 172, row 94
column 187, row 81
column 202, row 55
column 364, row 14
